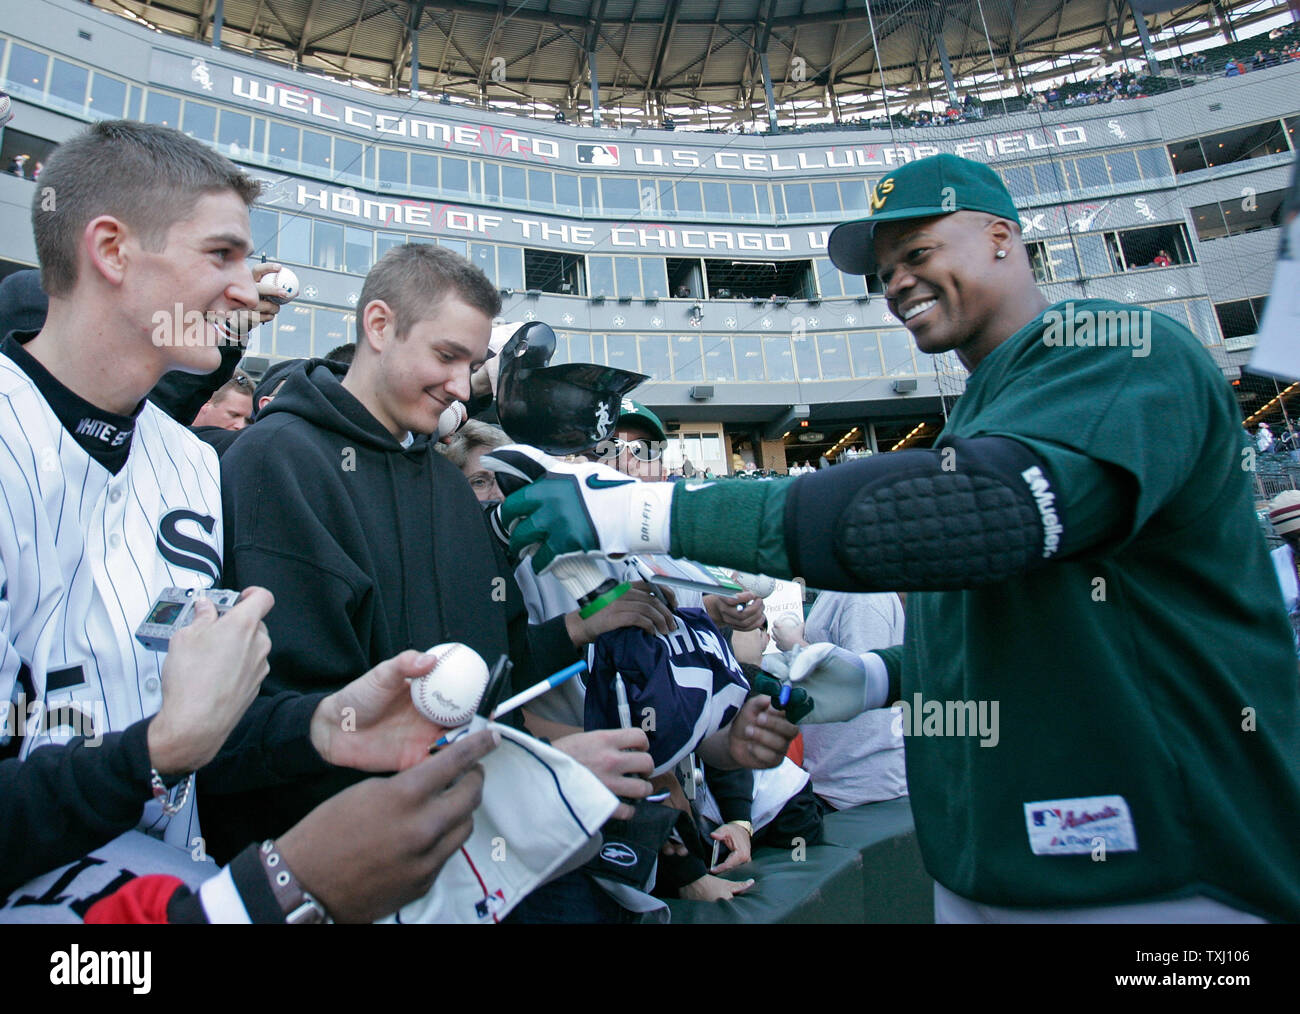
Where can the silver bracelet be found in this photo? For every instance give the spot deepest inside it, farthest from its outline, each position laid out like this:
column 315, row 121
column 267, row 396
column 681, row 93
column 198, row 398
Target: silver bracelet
column 161, row 792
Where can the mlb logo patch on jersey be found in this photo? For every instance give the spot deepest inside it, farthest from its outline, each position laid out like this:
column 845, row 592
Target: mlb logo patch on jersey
column 1071, row 827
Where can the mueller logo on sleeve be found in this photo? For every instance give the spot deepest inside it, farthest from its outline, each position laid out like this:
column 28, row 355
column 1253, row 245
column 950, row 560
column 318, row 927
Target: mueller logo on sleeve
column 1041, row 490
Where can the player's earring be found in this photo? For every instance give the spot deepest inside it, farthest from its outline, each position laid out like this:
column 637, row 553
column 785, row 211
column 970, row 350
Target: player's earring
column 1000, row 254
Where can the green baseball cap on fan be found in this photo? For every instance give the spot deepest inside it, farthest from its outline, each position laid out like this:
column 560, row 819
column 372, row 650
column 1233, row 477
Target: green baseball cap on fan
column 938, row 185
column 633, row 411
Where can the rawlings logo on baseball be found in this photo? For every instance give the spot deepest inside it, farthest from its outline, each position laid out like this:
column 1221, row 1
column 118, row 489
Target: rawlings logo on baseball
column 450, row 693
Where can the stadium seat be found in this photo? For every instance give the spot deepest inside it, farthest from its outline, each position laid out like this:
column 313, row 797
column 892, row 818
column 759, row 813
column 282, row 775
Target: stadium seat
column 896, row 887
column 825, row 886
column 867, row 870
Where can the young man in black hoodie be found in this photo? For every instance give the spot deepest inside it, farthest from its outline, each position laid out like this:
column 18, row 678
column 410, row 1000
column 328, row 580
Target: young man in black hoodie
column 371, row 541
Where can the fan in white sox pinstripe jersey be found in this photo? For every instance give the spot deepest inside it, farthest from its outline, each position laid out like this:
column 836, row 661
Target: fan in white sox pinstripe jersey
column 83, row 553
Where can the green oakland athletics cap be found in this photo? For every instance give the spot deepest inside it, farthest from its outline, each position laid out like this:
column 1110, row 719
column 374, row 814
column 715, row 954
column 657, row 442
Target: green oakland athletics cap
column 938, row 185
column 630, row 410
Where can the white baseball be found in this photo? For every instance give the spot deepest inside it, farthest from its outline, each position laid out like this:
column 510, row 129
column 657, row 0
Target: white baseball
column 452, row 419
column 760, row 584
column 451, row 692
column 283, row 279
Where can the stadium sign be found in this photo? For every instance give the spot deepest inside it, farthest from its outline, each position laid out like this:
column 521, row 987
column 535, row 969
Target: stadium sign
column 649, row 236
column 473, row 223
column 457, row 128
column 863, row 156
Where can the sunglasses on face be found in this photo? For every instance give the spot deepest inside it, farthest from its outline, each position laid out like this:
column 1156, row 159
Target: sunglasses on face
column 642, row 450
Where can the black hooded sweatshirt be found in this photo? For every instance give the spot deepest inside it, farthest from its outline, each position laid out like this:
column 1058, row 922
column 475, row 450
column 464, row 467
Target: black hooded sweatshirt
column 369, row 548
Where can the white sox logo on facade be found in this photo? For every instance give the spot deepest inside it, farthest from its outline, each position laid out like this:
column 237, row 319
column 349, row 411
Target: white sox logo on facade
column 182, row 550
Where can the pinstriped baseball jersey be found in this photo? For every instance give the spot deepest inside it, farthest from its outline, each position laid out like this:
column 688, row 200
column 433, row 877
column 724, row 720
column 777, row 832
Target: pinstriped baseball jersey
column 83, row 554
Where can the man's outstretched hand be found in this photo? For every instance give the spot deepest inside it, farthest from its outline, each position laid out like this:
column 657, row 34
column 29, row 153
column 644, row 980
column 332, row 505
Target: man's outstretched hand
column 371, row 724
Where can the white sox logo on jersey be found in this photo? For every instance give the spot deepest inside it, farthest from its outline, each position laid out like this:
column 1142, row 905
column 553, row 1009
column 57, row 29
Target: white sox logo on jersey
column 182, row 550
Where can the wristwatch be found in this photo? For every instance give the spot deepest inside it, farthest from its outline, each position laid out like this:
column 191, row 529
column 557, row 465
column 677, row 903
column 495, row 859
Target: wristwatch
column 299, row 907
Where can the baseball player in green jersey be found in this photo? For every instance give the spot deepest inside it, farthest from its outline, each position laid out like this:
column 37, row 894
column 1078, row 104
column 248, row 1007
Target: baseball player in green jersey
column 1107, row 600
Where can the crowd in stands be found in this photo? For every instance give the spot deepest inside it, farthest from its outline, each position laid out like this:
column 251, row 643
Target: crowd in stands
column 1231, row 59
column 1236, row 58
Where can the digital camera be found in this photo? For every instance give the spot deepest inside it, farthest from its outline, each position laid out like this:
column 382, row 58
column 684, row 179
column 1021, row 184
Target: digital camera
column 174, row 609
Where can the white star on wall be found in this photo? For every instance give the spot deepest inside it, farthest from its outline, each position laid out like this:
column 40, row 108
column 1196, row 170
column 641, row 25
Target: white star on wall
column 813, row 322
column 530, row 315
column 310, row 292
column 730, row 322
column 352, row 299
column 619, row 321
column 1130, row 294
column 767, row 321
column 567, row 318
column 696, row 321
column 850, row 320
column 1172, row 290
column 656, row 322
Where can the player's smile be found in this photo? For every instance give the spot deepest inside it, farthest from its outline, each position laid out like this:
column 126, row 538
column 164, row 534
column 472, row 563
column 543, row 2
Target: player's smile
column 914, row 310
column 939, row 279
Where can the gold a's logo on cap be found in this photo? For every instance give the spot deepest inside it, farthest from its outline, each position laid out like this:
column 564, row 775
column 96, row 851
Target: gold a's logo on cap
column 880, row 193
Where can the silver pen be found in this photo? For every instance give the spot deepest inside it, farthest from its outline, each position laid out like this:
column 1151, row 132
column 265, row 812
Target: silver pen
column 624, row 711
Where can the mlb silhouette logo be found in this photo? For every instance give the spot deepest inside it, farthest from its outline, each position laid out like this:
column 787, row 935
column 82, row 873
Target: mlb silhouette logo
column 598, row 154
column 491, row 905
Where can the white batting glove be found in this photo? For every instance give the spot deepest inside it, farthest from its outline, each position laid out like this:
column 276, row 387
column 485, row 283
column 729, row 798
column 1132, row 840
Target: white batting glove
column 843, row 684
column 554, row 508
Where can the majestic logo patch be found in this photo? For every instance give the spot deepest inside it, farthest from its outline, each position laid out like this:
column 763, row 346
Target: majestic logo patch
column 1071, row 827
column 182, row 550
